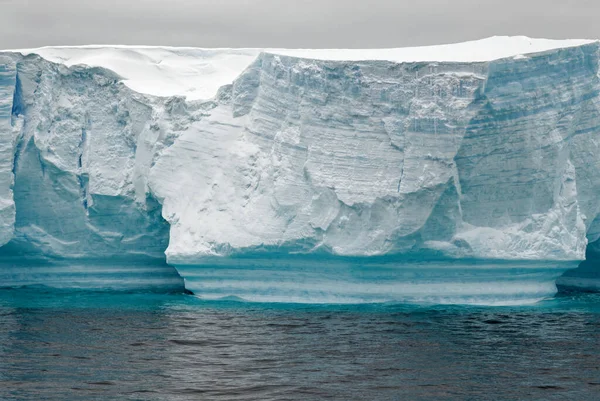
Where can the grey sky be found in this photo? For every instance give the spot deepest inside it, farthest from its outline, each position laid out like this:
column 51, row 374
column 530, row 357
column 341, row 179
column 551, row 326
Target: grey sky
column 289, row 23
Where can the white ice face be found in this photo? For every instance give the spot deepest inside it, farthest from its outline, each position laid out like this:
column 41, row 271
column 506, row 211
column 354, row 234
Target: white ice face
column 482, row 150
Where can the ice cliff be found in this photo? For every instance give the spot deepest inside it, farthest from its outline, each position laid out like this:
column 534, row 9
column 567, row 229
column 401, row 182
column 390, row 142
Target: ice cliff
column 460, row 172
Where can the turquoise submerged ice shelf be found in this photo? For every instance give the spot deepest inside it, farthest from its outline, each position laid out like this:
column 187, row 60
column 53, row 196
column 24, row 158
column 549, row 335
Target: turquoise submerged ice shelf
column 465, row 173
column 314, row 279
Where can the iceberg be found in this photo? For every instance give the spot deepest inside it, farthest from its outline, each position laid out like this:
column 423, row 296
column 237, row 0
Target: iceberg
column 464, row 173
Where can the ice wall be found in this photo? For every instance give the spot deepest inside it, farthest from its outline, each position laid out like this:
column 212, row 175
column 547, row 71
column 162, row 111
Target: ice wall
column 476, row 160
column 77, row 150
column 473, row 164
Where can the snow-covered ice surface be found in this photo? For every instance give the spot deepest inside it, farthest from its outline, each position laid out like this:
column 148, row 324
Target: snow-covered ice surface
column 198, row 73
column 470, row 172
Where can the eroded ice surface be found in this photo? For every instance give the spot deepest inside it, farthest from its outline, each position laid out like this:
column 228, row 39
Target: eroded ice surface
column 480, row 151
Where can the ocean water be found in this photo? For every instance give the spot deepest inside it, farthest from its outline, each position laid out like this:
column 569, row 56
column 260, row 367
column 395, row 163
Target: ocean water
column 60, row 345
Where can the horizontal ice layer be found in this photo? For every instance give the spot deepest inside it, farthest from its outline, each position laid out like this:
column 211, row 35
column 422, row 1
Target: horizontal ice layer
column 113, row 274
column 587, row 276
column 484, row 150
column 322, row 279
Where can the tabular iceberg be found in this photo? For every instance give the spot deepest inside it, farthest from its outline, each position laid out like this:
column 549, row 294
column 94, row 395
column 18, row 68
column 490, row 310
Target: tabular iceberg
column 456, row 173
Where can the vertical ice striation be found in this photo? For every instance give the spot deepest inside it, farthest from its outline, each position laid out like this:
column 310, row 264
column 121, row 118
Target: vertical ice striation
column 521, row 166
column 8, row 84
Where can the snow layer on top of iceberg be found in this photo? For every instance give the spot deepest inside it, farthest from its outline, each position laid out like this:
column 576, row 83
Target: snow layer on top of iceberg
column 198, row 73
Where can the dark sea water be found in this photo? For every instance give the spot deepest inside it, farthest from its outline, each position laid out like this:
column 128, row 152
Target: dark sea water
column 109, row 346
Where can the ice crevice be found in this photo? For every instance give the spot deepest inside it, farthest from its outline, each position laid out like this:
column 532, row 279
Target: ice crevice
column 305, row 178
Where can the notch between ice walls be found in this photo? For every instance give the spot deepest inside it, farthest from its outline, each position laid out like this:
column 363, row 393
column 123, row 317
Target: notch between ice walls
column 305, row 180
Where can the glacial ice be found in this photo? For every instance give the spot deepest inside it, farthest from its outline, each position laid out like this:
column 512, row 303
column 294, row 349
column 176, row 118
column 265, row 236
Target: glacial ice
column 447, row 174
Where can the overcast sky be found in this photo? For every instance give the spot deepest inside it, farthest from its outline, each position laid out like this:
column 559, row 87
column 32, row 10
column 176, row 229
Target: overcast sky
column 289, row 23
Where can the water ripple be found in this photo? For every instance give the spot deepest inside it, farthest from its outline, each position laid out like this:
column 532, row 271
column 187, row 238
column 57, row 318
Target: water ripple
column 159, row 347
